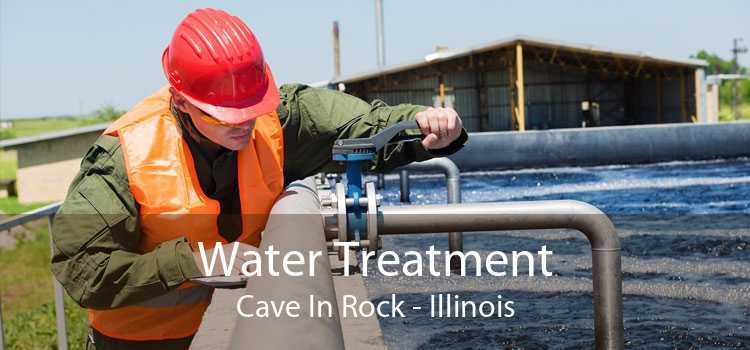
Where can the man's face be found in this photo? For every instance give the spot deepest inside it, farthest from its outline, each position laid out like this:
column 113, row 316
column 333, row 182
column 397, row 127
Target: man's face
column 235, row 137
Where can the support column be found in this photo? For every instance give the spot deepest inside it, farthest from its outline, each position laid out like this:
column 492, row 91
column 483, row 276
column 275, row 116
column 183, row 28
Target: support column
column 521, row 106
column 659, row 107
column 441, row 90
column 683, row 98
column 482, row 109
column 2, row 341
column 700, row 115
column 712, row 103
column 60, row 320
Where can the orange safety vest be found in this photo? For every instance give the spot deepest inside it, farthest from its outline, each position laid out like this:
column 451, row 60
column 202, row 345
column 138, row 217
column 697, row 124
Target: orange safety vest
column 163, row 181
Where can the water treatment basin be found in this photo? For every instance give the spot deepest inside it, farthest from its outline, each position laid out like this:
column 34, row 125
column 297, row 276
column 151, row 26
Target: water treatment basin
column 685, row 232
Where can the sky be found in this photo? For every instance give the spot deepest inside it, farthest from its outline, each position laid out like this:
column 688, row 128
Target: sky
column 72, row 57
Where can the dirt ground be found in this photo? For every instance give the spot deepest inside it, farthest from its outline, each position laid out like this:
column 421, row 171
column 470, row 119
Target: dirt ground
column 9, row 239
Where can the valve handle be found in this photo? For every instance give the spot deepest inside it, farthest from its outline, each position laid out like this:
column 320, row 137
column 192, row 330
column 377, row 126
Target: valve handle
column 389, row 134
column 368, row 145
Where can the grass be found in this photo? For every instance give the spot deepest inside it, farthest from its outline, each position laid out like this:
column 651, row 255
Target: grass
column 27, row 297
column 29, row 127
column 11, row 206
column 26, row 291
column 8, row 165
column 725, row 111
column 35, row 126
column 36, row 328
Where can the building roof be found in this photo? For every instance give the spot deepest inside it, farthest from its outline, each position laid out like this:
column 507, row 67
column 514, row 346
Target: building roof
column 12, row 143
column 452, row 54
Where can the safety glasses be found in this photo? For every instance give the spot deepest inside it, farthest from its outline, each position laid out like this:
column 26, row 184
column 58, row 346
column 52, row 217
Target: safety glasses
column 213, row 121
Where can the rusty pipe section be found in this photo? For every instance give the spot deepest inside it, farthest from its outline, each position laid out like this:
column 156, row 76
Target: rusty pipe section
column 295, row 224
column 594, row 224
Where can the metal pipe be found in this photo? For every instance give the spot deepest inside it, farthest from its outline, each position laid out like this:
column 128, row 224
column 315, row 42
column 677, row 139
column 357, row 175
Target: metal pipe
column 295, row 224
column 62, row 328
column 336, row 50
column 2, row 340
column 29, row 216
column 404, row 180
column 379, row 32
column 453, row 185
column 36, row 214
column 605, row 245
column 604, row 145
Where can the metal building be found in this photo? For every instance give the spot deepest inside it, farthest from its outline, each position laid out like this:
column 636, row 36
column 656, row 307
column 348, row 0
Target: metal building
column 47, row 163
column 524, row 83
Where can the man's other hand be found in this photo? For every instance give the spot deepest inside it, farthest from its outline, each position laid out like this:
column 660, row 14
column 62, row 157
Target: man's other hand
column 440, row 126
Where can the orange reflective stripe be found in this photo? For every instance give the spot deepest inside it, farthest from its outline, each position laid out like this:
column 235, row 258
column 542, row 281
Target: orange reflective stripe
column 164, row 323
column 163, row 181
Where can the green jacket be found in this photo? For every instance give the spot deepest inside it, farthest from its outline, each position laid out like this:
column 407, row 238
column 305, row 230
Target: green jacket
column 96, row 232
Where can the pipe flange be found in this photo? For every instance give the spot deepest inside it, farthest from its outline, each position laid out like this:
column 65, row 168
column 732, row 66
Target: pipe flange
column 372, row 217
column 341, row 215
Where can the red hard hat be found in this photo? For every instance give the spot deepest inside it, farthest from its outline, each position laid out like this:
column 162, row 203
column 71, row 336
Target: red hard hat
column 215, row 61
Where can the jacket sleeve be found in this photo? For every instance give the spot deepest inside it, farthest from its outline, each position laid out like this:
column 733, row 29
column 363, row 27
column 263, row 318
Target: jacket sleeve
column 313, row 118
column 95, row 237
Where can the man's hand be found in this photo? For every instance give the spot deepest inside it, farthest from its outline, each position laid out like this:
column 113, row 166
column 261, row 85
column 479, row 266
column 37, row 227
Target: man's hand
column 441, row 126
column 227, row 248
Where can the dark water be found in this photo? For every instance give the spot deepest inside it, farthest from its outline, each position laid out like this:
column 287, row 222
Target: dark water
column 563, row 321
column 685, row 232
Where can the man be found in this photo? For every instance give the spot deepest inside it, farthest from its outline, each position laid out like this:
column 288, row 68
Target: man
column 203, row 160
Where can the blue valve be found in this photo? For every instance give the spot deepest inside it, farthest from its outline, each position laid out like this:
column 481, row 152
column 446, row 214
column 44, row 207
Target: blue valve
column 356, row 221
column 355, row 153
